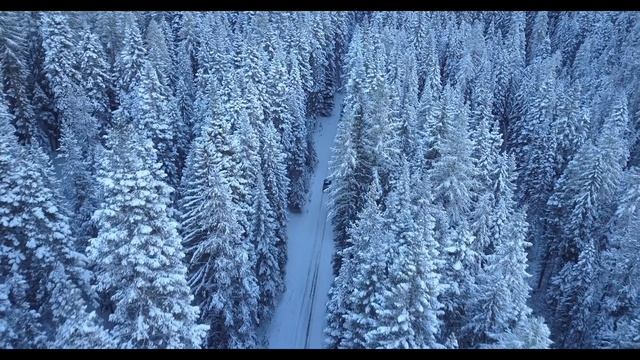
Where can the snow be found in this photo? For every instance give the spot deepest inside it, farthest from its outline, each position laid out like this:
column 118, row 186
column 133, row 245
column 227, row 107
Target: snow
column 300, row 317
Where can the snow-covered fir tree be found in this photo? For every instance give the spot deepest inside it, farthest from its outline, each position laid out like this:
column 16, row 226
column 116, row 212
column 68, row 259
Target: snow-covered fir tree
column 15, row 70
column 21, row 325
column 138, row 254
column 219, row 254
column 502, row 289
column 369, row 319
column 45, row 275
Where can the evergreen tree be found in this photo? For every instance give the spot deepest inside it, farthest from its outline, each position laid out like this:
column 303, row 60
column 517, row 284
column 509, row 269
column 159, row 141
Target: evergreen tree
column 20, row 324
column 301, row 156
column 538, row 42
column 369, row 319
column 350, row 165
column 267, row 267
column 14, row 71
column 616, row 324
column 582, row 205
column 60, row 63
column 570, row 125
column 348, row 169
column 220, row 266
column 130, row 60
column 276, row 187
column 453, row 171
column 530, row 333
column 46, row 126
column 96, row 78
column 158, row 52
column 487, row 139
column 48, row 274
column 500, row 301
column 414, row 264
column 152, row 112
column 453, row 178
column 78, row 151
column 138, row 252
column 79, row 328
column 535, row 150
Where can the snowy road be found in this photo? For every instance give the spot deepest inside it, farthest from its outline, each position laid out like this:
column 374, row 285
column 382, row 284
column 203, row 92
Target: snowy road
column 299, row 319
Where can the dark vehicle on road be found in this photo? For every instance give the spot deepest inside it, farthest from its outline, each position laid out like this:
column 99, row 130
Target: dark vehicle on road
column 326, row 184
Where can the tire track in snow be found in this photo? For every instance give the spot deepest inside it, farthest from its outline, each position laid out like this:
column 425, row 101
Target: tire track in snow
column 315, row 274
column 299, row 318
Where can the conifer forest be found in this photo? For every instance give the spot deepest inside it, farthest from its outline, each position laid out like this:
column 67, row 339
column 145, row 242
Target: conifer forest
column 432, row 180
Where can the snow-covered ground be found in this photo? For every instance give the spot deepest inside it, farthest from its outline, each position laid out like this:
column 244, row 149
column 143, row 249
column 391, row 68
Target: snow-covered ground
column 300, row 317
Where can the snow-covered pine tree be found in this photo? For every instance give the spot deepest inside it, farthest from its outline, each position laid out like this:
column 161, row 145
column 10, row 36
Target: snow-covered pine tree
column 276, row 185
column 508, row 62
column 582, row 205
column 245, row 145
column 529, row 333
column 382, row 110
column 413, row 268
column 429, row 109
column 14, row 71
column 453, row 176
column 158, row 52
column 453, row 170
column 185, row 25
column 538, row 42
column 49, row 275
column 369, row 320
column 268, row 274
column 20, row 324
column 345, row 190
column 130, row 60
column 163, row 20
column 220, row 268
column 160, row 57
column 78, row 328
column 298, row 39
column 502, row 291
column 60, row 65
column 185, row 92
column 565, row 37
column 571, row 122
column 78, row 154
column 320, row 99
column 153, row 114
column 277, row 110
column 60, row 62
column 137, row 253
column 535, row 144
column 617, row 314
column 350, row 166
column 253, row 67
column 410, row 102
column 76, row 112
column 486, row 136
column 96, row 78
column 46, row 130
column 301, row 154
